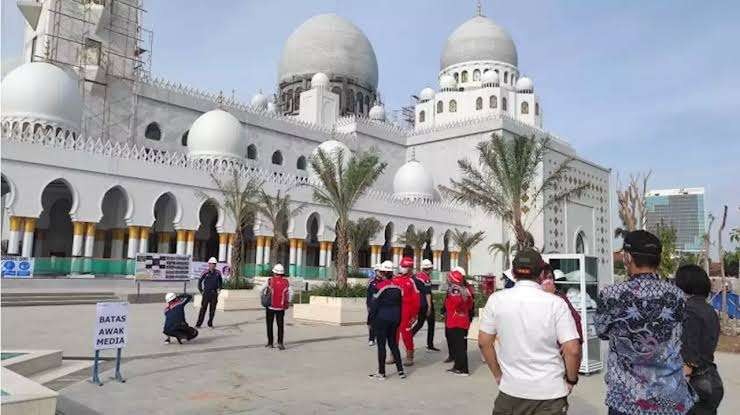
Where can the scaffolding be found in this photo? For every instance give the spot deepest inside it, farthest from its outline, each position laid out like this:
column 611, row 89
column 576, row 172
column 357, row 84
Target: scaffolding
column 105, row 43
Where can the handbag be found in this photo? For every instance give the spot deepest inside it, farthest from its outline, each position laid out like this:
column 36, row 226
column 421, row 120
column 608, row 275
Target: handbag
column 703, row 382
column 266, row 296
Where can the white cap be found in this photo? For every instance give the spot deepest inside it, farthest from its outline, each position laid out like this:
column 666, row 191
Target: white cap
column 461, row 270
column 169, row 297
column 386, row 266
column 278, row 269
column 425, row 263
column 212, row 260
column 376, row 267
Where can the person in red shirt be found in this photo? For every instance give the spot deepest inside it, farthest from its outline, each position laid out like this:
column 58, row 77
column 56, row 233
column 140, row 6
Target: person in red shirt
column 458, row 304
column 280, row 294
column 409, row 307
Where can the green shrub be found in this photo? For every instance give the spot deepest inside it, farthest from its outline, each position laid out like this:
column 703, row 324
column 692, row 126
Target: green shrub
column 331, row 289
column 238, row 284
column 354, row 273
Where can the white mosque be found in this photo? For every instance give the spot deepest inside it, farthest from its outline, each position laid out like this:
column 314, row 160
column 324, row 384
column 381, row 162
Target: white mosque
column 101, row 160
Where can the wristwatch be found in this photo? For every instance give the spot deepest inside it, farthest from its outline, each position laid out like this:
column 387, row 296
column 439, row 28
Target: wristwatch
column 571, row 382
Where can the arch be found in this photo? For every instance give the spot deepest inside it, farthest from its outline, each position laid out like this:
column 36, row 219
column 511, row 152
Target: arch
column 386, row 251
column 297, row 99
column 506, row 77
column 464, row 77
column 8, row 193
column 252, row 152
column 525, row 108
column 453, row 105
column 166, row 214
column 457, row 77
column 360, row 103
column 349, row 101
column 57, row 201
column 479, row 103
column 445, row 260
column 493, row 102
column 289, row 101
column 314, row 227
column 206, row 237
column 301, row 163
column 581, row 243
column 367, row 103
column 476, row 75
column 184, row 138
column 277, row 158
column 408, row 250
column 422, row 116
column 440, row 107
column 503, row 104
column 536, row 108
column 427, row 251
column 153, row 132
column 114, row 206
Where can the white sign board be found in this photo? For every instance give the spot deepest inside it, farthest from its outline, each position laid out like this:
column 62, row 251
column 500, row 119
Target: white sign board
column 197, row 268
column 17, row 267
column 110, row 326
column 162, row 266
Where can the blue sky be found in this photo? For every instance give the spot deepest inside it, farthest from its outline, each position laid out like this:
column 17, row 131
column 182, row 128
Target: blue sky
column 633, row 85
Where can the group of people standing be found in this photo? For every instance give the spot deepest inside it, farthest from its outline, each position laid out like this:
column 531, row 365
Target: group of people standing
column 399, row 305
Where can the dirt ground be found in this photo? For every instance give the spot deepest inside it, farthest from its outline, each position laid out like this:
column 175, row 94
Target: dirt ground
column 729, row 344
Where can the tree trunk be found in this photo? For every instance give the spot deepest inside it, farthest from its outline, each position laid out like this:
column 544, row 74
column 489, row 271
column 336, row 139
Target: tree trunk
column 417, row 258
column 236, row 255
column 521, row 235
column 274, row 248
column 342, row 251
column 720, row 251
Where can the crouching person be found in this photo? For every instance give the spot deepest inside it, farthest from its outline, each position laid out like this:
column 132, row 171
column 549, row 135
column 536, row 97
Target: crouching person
column 174, row 318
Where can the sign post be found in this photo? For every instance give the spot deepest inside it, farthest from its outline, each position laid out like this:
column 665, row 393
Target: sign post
column 110, row 333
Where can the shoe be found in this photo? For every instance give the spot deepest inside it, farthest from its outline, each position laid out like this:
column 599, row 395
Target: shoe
column 179, row 340
column 371, row 343
column 449, row 360
column 197, row 326
column 461, row 373
column 167, row 341
column 409, row 358
column 402, row 375
column 281, row 347
column 210, row 326
column 452, row 371
column 432, row 349
column 377, row 376
column 269, row 345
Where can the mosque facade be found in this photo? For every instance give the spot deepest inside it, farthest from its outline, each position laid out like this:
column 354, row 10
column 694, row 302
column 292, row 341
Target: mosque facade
column 102, row 160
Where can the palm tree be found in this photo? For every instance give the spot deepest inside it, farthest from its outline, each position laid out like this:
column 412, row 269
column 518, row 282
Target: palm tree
column 238, row 195
column 278, row 211
column 416, row 240
column 506, row 249
column 466, row 242
column 341, row 180
column 360, row 232
column 508, row 182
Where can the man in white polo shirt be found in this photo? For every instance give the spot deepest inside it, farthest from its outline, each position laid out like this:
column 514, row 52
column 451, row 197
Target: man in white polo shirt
column 530, row 328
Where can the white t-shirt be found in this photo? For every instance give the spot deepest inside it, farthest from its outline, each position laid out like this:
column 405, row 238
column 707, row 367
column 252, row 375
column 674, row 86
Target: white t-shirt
column 528, row 324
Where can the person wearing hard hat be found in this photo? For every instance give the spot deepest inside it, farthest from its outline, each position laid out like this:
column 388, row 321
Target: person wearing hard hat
column 174, row 318
column 409, row 307
column 371, row 282
column 385, row 316
column 280, row 293
column 423, row 280
column 209, row 285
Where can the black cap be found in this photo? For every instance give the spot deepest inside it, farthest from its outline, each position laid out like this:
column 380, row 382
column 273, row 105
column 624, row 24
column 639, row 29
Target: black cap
column 642, row 242
column 527, row 263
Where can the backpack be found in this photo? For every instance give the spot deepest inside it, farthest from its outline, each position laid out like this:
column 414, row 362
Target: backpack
column 266, row 297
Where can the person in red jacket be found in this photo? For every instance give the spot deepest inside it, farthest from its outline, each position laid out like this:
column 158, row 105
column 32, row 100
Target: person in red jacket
column 458, row 303
column 409, row 307
column 280, row 293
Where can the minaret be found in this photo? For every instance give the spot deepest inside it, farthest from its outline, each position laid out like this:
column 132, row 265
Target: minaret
column 478, row 8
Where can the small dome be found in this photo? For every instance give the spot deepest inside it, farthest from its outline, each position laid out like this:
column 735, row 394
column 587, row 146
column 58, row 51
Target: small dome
column 447, row 82
column 427, row 94
column 377, row 112
column 259, row 101
column 489, row 77
column 331, row 44
column 319, row 80
column 330, row 148
column 412, row 181
column 216, row 135
column 524, row 84
column 478, row 39
column 45, row 92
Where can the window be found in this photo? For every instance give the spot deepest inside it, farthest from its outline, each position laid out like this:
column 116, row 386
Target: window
column 464, row 76
column 301, row 163
column 453, row 105
column 338, row 91
column 153, row 132
column 536, row 108
column 289, row 101
column 367, row 103
column 360, row 103
column 457, row 77
column 184, row 138
column 297, row 99
column 476, row 75
column 440, row 107
column 422, row 116
column 525, row 108
column 479, row 103
column 503, row 104
column 506, row 77
column 581, row 243
column 350, row 101
column 92, row 52
column 493, row 102
column 252, row 152
column 277, row 158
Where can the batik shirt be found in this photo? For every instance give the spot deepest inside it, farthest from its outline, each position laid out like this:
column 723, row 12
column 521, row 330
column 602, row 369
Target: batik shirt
column 642, row 320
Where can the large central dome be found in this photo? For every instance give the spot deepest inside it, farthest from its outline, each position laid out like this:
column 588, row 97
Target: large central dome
column 330, row 44
column 478, row 39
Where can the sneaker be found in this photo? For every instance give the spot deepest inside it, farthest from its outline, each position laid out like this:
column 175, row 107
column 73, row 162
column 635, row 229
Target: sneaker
column 449, row 360
column 167, row 341
column 371, row 343
column 281, row 347
column 377, row 376
column 432, row 349
column 461, row 373
column 269, row 345
column 210, row 326
column 452, row 371
column 197, row 326
column 402, row 375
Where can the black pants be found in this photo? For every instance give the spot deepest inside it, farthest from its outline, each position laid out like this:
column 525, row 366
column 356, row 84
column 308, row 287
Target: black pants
column 423, row 318
column 182, row 331
column 710, row 395
column 272, row 315
column 210, row 299
column 385, row 332
column 458, row 348
column 370, row 333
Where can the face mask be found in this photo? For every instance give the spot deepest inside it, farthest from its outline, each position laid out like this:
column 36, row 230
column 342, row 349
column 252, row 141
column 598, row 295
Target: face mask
column 404, row 270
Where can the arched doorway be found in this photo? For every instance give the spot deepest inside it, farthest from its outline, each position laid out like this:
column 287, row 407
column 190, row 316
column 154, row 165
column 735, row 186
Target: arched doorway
column 114, row 206
column 408, row 250
column 162, row 238
column 206, row 237
column 386, row 252
column 445, row 265
column 427, row 252
column 313, row 247
column 56, row 201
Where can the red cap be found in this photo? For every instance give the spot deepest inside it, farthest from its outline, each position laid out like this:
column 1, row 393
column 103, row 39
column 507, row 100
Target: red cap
column 456, row 277
column 407, row 262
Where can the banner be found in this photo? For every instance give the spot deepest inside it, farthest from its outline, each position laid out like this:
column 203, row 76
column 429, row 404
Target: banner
column 110, row 326
column 17, row 267
column 197, row 268
column 155, row 266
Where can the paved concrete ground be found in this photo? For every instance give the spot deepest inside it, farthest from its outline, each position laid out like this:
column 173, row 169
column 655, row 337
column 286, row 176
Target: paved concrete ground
column 228, row 371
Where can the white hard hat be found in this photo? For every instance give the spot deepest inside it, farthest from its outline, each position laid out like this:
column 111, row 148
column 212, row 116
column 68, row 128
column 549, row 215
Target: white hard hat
column 376, row 267
column 386, row 266
column 278, row 269
column 169, row 297
column 426, row 264
column 461, row 270
column 212, row 260
column 558, row 274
